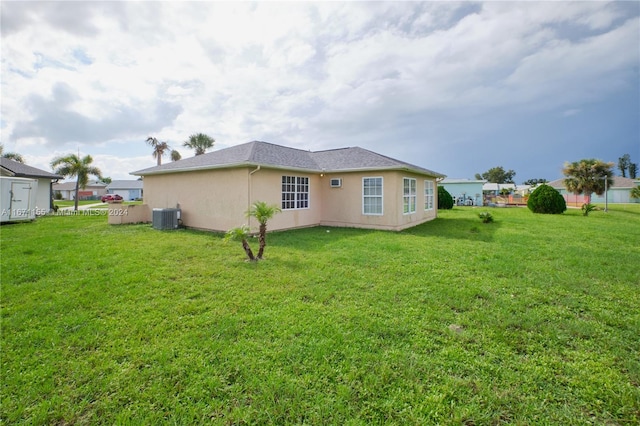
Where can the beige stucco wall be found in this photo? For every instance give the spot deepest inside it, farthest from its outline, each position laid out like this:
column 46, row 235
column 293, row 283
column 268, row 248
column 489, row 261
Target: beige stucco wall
column 266, row 185
column 218, row 199
column 343, row 206
column 209, row 199
column 119, row 214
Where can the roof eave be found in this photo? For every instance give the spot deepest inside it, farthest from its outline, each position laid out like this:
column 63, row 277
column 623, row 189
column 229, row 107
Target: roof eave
column 32, row 176
column 11, row 173
column 224, row 166
column 289, row 168
column 386, row 168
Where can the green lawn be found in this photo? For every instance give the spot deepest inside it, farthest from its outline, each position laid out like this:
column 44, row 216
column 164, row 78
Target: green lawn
column 67, row 203
column 71, row 203
column 533, row 319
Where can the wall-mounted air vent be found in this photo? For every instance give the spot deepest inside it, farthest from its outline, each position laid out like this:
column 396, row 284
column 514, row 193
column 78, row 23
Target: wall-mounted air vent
column 165, row 218
column 336, row 183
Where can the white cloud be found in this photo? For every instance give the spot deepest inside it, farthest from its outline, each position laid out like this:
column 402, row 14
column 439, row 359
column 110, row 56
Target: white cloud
column 312, row 75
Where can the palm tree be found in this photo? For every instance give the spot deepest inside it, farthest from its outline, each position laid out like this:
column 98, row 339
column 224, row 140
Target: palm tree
column 11, row 155
column 175, row 155
column 588, row 176
column 635, row 192
column 262, row 212
column 200, row 142
column 241, row 234
column 73, row 165
column 159, row 148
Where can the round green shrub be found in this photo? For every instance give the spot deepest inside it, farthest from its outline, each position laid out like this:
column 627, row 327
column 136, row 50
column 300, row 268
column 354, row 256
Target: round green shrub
column 445, row 200
column 546, row 199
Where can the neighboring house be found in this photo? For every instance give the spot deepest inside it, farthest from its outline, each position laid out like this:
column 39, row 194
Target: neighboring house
column 619, row 192
column 350, row 187
column 464, row 191
column 44, row 195
column 93, row 190
column 127, row 189
column 517, row 194
column 495, row 188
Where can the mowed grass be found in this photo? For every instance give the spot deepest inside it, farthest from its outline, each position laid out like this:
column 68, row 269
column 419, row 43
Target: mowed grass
column 533, row 319
column 71, row 203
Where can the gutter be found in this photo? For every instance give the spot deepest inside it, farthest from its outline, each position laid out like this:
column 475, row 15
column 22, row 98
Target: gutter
column 250, row 193
column 297, row 169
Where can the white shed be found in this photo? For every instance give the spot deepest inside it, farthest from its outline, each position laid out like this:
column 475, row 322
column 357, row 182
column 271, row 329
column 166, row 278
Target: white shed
column 43, row 197
column 18, row 199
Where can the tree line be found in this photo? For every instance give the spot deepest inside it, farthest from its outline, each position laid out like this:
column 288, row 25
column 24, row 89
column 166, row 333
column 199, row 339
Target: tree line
column 500, row 175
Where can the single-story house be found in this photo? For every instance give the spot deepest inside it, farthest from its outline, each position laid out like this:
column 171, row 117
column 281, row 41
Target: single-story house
column 619, row 192
column 93, row 190
column 127, row 189
column 495, row 188
column 349, row 187
column 464, row 191
column 44, row 195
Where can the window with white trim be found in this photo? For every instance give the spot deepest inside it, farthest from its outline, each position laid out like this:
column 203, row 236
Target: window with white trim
column 428, row 195
column 372, row 195
column 409, row 197
column 295, row 192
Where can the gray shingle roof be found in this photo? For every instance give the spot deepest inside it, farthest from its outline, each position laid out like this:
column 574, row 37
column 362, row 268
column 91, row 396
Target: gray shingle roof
column 266, row 154
column 125, row 184
column 67, row 186
column 356, row 158
column 22, row 170
column 618, row 182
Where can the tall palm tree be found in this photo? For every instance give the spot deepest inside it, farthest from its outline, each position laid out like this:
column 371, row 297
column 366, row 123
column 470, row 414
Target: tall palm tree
column 175, row 155
column 11, row 155
column 159, row 148
column 262, row 212
column 72, row 165
column 588, row 176
column 200, row 142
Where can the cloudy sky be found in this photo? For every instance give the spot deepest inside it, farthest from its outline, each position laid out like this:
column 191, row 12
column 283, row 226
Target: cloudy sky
column 453, row 87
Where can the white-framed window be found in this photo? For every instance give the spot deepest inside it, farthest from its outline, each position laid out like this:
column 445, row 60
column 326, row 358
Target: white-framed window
column 409, row 197
column 372, row 195
column 295, row 192
column 428, row 194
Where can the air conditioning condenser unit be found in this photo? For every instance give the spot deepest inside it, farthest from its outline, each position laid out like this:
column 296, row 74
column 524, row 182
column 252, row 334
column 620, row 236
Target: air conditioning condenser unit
column 165, row 218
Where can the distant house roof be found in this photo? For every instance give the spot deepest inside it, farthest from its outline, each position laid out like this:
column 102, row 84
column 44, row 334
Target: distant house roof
column 67, row 186
column 15, row 168
column 490, row 186
column 453, row 180
column 266, row 154
column 619, row 182
column 125, row 184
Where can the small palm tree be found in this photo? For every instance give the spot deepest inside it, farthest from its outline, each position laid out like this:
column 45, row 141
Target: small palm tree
column 240, row 233
column 72, row 165
column 159, row 148
column 262, row 212
column 199, row 142
column 635, row 192
column 175, row 155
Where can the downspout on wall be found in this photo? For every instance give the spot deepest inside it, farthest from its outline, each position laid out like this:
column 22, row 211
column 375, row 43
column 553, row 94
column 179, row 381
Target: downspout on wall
column 250, row 193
